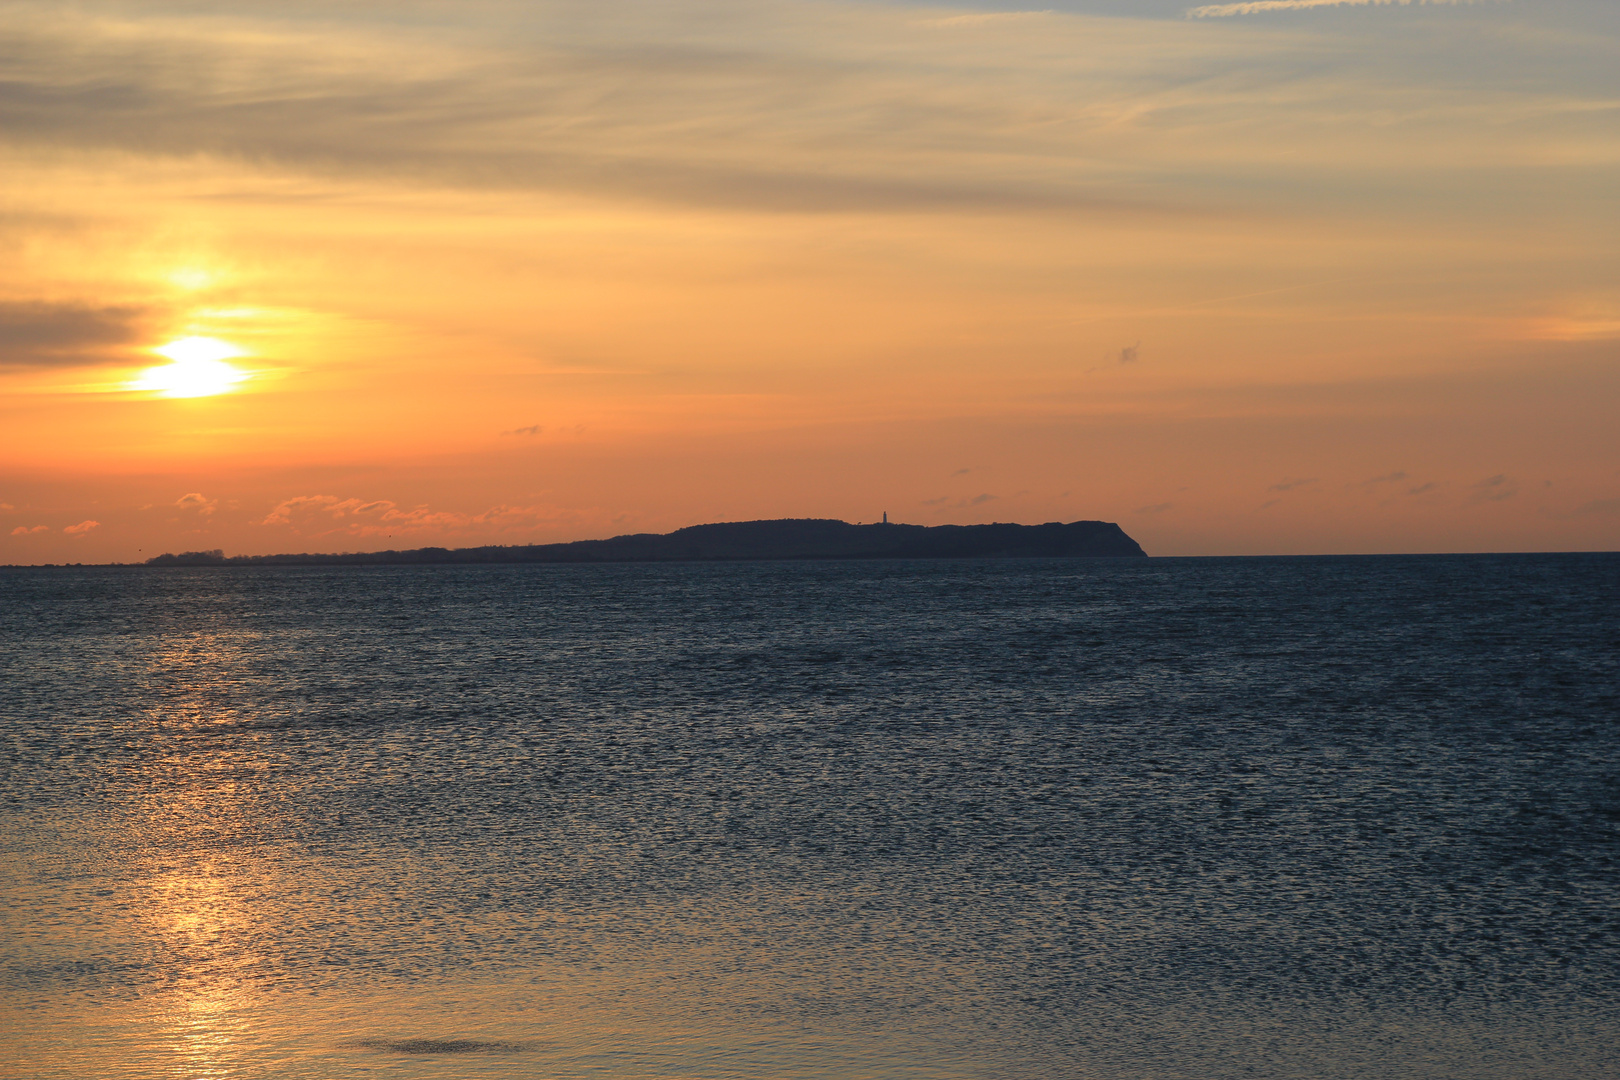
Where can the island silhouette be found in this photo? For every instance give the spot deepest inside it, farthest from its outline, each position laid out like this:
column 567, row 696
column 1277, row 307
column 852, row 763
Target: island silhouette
column 784, row 538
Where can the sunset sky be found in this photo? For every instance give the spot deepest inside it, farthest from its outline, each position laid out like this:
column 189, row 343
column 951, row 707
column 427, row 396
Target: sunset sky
column 1281, row 277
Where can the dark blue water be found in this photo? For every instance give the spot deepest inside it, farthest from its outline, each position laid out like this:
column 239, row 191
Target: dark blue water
column 1318, row 817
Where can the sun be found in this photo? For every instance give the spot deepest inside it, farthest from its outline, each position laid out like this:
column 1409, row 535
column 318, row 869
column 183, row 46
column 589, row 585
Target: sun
column 198, row 369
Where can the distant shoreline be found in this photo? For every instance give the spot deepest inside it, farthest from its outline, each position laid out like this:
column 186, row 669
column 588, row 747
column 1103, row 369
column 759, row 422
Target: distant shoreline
column 367, row 559
column 785, row 539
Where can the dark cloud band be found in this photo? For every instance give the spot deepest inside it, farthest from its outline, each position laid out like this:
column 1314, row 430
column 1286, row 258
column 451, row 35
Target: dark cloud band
column 45, row 334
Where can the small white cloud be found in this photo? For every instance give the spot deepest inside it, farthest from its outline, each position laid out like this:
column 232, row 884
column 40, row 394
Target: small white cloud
column 196, row 500
column 82, row 527
column 24, row 530
column 284, row 513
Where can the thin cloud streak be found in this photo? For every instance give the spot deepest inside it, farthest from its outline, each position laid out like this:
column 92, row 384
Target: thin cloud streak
column 793, row 125
column 318, row 516
column 981, row 18
column 787, row 109
column 1257, row 7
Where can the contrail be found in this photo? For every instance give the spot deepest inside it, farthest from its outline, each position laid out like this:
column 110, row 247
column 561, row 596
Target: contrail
column 1254, row 7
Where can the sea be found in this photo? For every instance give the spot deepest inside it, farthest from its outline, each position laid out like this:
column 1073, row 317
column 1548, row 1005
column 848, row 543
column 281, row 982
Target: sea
column 1179, row 819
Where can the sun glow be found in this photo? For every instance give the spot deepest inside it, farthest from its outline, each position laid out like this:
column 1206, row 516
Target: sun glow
column 192, row 278
column 198, row 369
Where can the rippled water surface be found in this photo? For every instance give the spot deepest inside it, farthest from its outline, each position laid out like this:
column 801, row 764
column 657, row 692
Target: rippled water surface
column 1198, row 819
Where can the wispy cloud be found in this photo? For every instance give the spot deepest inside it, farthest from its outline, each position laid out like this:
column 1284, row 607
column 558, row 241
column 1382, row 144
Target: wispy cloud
column 82, row 527
column 982, row 18
column 1493, row 489
column 1257, row 7
column 328, row 515
column 1291, row 484
column 1593, row 321
column 1596, row 506
column 36, row 333
column 1156, row 508
column 24, row 530
column 775, row 107
column 962, row 503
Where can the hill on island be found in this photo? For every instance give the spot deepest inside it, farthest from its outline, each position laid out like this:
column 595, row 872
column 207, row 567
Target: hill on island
column 788, row 538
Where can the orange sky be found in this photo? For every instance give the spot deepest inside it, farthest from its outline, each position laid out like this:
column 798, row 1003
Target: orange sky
column 1314, row 278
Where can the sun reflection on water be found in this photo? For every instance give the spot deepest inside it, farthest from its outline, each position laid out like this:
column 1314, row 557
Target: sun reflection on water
column 200, row 876
column 199, row 917
column 207, row 1032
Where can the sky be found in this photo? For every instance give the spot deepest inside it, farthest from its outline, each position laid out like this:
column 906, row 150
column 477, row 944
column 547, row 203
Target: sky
column 1278, row 277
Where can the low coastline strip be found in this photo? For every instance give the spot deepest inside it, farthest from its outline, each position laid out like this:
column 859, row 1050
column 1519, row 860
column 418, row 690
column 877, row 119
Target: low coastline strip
column 784, row 539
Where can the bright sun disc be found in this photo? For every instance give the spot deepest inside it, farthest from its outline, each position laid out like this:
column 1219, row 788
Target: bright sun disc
column 199, row 369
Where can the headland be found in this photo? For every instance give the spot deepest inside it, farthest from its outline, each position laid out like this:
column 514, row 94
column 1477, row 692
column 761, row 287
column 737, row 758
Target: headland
column 786, row 538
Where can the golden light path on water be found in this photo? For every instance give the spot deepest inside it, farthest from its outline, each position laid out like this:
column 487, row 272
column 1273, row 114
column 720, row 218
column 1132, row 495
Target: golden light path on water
column 196, row 893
